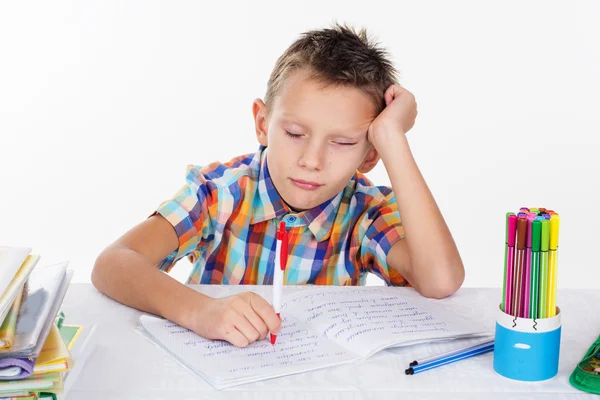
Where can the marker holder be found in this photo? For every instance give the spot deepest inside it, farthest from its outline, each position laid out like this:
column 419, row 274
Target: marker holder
column 527, row 349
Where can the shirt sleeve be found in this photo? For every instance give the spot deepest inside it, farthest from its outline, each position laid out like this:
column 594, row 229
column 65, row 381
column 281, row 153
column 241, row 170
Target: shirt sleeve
column 382, row 228
column 189, row 211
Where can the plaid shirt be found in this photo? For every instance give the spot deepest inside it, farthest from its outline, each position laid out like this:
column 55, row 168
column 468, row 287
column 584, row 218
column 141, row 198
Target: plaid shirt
column 226, row 217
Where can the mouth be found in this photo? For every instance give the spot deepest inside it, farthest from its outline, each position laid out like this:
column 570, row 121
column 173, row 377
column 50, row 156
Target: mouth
column 307, row 185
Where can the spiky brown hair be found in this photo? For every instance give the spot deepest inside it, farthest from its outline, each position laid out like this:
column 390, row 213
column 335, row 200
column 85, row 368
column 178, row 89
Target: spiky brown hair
column 336, row 56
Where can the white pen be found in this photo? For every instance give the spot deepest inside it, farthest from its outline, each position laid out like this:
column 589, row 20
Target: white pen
column 281, row 252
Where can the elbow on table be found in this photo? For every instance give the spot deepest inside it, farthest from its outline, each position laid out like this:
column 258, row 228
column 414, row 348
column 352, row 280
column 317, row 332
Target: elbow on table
column 100, row 273
column 443, row 284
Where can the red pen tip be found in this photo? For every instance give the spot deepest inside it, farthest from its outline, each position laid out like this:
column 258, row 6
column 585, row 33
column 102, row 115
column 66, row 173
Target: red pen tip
column 274, row 337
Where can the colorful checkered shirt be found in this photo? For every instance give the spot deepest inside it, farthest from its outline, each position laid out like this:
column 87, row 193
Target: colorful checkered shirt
column 226, row 218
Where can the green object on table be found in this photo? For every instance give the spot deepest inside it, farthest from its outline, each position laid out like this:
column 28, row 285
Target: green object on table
column 584, row 377
column 68, row 332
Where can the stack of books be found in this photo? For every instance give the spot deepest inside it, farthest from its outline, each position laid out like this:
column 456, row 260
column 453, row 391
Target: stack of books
column 38, row 353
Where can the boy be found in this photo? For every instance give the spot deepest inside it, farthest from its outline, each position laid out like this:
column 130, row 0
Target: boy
column 331, row 111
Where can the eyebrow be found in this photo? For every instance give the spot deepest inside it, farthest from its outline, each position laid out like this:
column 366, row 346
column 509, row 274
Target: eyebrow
column 293, row 119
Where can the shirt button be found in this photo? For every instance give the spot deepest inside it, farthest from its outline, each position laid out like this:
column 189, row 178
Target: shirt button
column 291, row 218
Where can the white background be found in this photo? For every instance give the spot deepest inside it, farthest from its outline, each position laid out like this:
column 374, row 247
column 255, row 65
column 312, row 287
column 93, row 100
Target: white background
column 104, row 103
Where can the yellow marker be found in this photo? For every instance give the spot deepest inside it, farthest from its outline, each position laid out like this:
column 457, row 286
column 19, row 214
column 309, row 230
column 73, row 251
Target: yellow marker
column 553, row 264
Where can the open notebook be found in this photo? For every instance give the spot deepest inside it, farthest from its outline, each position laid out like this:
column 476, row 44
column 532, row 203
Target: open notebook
column 320, row 328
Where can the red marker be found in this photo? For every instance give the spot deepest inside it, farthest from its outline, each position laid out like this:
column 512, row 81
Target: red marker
column 281, row 253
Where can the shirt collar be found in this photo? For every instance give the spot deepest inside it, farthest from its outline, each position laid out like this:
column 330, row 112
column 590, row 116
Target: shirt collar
column 268, row 204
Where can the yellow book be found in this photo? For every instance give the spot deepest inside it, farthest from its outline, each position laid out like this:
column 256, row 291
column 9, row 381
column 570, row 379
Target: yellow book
column 16, row 284
column 55, row 356
column 7, row 330
column 11, row 259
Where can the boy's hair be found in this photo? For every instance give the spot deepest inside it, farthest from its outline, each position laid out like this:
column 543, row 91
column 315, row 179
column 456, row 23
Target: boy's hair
column 336, row 56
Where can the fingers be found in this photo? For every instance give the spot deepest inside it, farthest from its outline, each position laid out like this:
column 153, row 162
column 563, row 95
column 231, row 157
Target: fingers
column 237, row 329
column 235, row 337
column 247, row 329
column 266, row 313
column 246, row 318
column 393, row 91
column 257, row 323
column 390, row 94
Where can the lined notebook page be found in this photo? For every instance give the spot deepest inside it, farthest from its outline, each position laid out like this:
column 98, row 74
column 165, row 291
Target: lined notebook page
column 298, row 349
column 370, row 319
column 321, row 327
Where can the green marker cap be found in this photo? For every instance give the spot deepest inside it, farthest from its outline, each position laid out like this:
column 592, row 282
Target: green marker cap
column 536, row 235
column 545, row 235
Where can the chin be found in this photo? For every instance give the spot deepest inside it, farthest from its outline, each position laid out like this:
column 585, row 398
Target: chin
column 299, row 207
column 301, row 200
column 303, row 205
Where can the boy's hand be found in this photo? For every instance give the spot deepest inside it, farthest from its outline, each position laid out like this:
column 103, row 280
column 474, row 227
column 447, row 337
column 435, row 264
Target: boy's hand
column 240, row 319
column 398, row 117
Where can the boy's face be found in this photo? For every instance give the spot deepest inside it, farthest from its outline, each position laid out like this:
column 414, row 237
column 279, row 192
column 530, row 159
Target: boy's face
column 317, row 139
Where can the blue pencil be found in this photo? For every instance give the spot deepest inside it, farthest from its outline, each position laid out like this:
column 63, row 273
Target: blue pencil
column 452, row 352
column 447, row 358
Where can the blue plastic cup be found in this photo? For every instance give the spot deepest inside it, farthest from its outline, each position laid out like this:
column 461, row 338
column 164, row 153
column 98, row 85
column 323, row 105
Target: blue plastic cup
column 527, row 349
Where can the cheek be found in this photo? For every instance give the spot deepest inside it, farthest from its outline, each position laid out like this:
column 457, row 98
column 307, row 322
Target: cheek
column 345, row 164
column 287, row 154
column 345, row 159
column 280, row 163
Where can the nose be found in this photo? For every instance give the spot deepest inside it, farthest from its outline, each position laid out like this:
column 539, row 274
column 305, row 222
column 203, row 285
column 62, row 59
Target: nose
column 313, row 155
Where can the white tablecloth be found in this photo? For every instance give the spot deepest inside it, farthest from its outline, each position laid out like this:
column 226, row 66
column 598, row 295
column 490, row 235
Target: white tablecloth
column 127, row 366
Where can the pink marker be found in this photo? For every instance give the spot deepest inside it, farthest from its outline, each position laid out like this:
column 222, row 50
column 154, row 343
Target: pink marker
column 519, row 267
column 510, row 262
column 527, row 271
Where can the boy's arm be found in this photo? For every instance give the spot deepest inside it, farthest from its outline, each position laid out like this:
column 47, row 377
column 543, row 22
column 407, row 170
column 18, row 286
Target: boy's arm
column 126, row 271
column 427, row 257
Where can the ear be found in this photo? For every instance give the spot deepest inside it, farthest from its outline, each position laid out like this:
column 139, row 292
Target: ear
column 259, row 110
column 370, row 161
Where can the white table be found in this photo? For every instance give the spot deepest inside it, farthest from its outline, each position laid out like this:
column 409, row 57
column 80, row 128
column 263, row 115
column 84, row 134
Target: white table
column 127, row 366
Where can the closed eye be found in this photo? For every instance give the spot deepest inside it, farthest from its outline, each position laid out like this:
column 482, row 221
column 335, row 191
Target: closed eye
column 292, row 135
column 296, row 136
column 345, row 144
